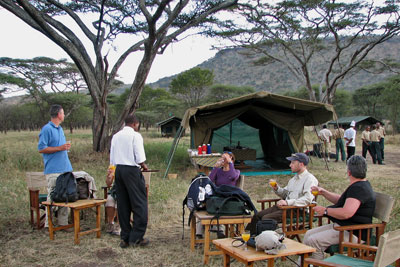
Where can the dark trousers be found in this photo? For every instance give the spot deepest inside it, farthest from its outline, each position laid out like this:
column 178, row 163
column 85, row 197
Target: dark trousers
column 351, row 150
column 131, row 197
column 365, row 148
column 271, row 213
column 340, row 148
column 376, row 152
column 382, row 144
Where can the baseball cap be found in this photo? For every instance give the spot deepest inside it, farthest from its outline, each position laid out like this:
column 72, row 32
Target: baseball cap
column 300, row 157
column 352, row 124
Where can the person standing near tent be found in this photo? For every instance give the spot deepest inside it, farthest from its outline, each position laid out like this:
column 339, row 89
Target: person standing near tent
column 350, row 137
column 366, row 142
column 127, row 154
column 382, row 131
column 375, row 137
column 54, row 149
column 296, row 193
column 338, row 136
column 326, row 135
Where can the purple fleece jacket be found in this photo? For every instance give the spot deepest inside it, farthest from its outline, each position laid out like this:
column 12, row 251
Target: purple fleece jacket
column 219, row 177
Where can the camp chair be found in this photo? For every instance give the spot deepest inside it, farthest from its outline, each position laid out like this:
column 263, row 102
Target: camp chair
column 295, row 220
column 240, row 182
column 146, row 175
column 383, row 208
column 387, row 252
column 35, row 182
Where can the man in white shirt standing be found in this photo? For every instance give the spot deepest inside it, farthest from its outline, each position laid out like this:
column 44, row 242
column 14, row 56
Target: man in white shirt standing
column 326, row 135
column 296, row 193
column 350, row 137
column 127, row 154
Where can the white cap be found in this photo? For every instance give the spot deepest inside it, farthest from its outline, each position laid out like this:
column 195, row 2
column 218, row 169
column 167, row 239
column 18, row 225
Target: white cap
column 352, row 124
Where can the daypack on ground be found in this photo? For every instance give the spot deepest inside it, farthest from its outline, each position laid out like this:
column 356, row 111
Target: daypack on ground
column 65, row 190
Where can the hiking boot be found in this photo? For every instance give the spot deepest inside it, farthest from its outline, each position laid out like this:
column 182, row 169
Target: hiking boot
column 123, row 244
column 109, row 228
column 142, row 243
column 116, row 230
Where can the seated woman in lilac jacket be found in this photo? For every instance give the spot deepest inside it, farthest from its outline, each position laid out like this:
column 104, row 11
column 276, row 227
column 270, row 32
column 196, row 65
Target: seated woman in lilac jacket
column 224, row 171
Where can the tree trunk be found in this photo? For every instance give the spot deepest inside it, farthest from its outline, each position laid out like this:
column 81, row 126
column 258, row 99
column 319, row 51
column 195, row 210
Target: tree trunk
column 100, row 129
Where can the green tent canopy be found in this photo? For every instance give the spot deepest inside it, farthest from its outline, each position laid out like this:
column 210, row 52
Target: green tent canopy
column 272, row 124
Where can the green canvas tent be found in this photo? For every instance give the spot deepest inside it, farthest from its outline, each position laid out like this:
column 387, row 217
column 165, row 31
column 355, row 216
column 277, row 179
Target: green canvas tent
column 272, row 124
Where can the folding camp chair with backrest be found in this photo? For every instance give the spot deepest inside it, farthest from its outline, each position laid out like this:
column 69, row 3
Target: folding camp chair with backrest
column 387, row 252
column 36, row 182
column 383, row 208
column 295, row 220
column 240, row 182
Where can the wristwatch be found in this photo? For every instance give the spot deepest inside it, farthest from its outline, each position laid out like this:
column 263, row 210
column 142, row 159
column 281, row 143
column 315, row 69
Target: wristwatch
column 326, row 212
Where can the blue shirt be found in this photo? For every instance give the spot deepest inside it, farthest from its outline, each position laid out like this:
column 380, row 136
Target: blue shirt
column 52, row 136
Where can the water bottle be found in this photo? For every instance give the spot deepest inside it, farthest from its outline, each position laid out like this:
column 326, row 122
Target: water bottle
column 208, row 149
column 199, row 151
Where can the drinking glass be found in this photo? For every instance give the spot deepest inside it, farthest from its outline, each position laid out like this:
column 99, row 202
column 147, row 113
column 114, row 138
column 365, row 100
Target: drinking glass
column 272, row 183
column 68, row 142
column 245, row 237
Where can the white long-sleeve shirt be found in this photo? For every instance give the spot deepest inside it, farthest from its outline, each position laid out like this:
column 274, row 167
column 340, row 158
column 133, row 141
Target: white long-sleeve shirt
column 298, row 190
column 127, row 148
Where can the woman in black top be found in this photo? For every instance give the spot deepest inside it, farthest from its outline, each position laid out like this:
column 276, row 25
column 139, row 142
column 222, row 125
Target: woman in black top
column 355, row 206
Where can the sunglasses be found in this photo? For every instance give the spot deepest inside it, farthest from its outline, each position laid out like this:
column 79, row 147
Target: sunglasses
column 228, row 152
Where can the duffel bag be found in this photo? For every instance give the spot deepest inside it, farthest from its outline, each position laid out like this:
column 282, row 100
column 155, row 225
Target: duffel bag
column 222, row 206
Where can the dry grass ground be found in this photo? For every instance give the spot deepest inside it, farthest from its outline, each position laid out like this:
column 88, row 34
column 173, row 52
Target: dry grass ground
column 22, row 246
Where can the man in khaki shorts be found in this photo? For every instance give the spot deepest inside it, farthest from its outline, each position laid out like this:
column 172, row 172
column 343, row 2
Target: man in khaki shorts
column 54, row 149
column 326, row 135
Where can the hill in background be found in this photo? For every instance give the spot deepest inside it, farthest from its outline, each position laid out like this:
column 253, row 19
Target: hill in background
column 231, row 67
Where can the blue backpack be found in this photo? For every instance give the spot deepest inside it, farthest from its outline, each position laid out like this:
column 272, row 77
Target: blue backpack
column 65, row 190
column 199, row 190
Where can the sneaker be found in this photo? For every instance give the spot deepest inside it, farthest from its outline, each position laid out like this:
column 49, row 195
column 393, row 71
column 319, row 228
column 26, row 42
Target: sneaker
column 123, row 244
column 109, row 228
column 116, row 230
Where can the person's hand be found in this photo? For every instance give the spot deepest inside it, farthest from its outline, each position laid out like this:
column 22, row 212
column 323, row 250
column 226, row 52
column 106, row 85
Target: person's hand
column 227, row 158
column 219, row 163
column 319, row 210
column 65, row 146
column 282, row 203
column 144, row 167
column 317, row 188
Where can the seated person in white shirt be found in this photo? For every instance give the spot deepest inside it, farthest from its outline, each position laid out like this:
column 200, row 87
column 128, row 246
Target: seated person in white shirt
column 296, row 193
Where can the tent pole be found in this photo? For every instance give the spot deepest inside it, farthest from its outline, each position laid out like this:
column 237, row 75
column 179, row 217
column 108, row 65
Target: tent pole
column 173, row 149
column 230, row 134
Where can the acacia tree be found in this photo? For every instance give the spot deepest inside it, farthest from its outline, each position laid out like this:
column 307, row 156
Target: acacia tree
column 191, row 86
column 320, row 41
column 156, row 24
column 41, row 77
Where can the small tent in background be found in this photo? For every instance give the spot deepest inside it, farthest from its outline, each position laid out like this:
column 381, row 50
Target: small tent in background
column 170, row 126
column 361, row 121
column 271, row 124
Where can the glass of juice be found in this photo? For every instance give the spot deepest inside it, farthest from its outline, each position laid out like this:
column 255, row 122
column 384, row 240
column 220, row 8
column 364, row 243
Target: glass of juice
column 245, row 237
column 272, row 182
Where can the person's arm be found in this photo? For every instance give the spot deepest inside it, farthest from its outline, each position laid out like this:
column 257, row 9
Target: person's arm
column 331, row 197
column 54, row 149
column 143, row 166
column 233, row 174
column 43, row 146
column 307, row 196
column 349, row 209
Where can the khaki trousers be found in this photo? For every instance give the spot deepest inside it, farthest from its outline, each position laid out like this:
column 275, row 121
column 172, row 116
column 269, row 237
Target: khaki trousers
column 323, row 237
column 62, row 213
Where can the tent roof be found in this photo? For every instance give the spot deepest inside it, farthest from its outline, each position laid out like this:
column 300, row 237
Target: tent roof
column 357, row 119
column 168, row 120
column 313, row 112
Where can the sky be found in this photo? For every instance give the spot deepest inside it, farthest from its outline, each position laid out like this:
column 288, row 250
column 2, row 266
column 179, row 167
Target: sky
column 18, row 40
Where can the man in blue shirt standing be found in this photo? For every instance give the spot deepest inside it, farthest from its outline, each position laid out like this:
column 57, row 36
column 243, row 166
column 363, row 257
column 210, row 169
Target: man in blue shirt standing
column 54, row 149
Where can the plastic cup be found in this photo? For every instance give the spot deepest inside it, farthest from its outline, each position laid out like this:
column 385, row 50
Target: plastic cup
column 68, row 142
column 272, row 183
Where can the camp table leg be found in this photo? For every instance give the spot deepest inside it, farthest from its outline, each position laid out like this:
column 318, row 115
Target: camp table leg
column 227, row 260
column 50, row 221
column 192, row 233
column 206, row 242
column 98, row 217
column 76, row 225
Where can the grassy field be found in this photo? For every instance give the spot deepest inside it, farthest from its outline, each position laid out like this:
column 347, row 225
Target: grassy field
column 20, row 245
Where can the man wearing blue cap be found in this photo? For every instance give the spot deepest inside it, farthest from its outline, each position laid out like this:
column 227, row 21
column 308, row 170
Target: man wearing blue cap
column 296, row 193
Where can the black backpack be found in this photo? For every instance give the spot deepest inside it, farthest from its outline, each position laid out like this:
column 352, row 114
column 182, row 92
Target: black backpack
column 65, row 190
column 200, row 188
